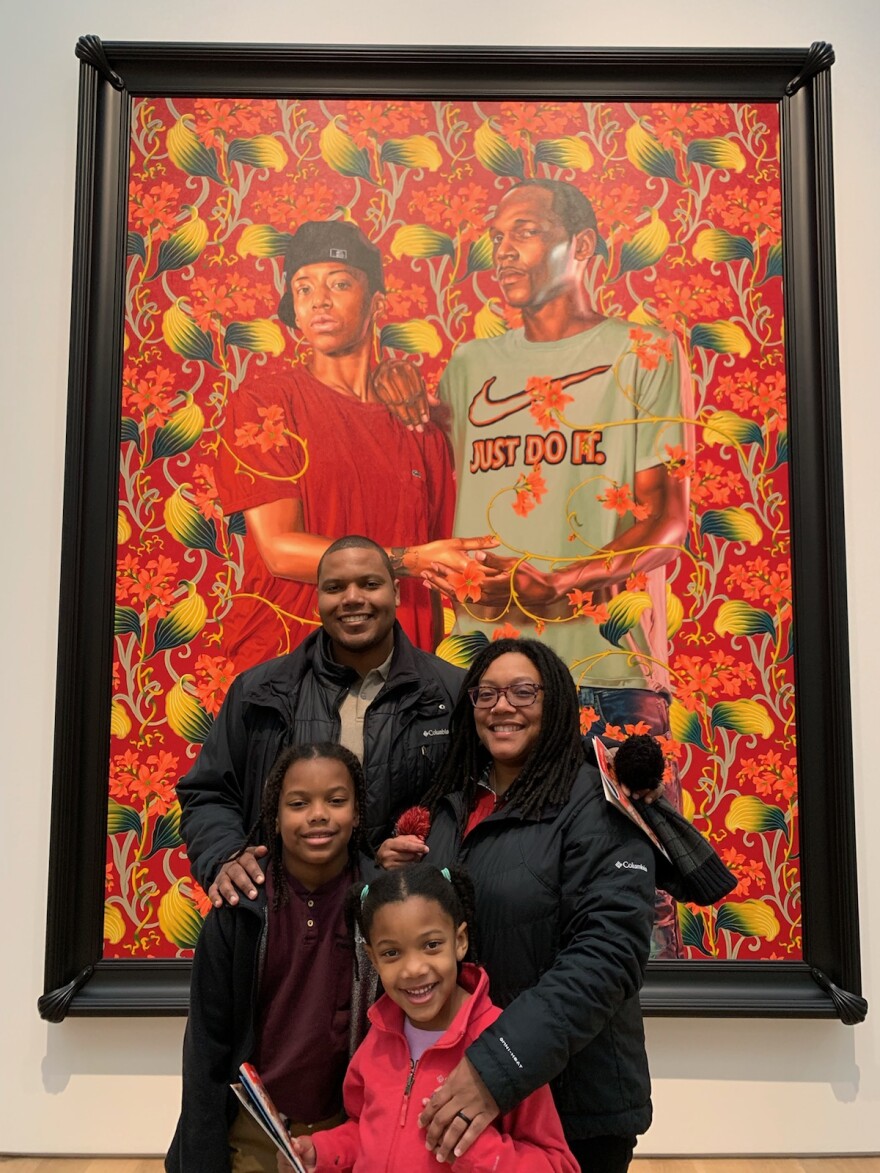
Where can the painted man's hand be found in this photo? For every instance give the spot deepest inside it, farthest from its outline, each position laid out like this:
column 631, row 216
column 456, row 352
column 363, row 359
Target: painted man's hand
column 241, row 874
column 452, row 554
column 458, row 1111
column 399, row 386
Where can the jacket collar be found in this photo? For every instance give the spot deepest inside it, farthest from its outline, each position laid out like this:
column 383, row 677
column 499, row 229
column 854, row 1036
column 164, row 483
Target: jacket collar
column 548, row 814
column 272, row 683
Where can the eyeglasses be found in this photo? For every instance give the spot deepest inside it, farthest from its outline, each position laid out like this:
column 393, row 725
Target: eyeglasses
column 520, row 696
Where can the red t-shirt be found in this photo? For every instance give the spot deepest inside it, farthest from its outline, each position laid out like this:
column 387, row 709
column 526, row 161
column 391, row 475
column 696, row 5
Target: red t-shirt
column 355, row 468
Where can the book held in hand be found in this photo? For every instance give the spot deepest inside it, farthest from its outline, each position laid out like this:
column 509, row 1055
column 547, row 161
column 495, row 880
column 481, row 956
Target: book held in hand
column 252, row 1093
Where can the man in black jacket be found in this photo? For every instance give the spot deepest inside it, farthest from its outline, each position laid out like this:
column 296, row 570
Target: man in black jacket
column 357, row 680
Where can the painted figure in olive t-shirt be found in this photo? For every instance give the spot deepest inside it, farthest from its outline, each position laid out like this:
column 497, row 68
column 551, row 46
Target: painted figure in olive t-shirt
column 571, row 439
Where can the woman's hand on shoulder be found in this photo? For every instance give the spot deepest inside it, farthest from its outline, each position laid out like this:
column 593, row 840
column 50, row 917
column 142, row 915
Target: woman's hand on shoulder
column 399, row 851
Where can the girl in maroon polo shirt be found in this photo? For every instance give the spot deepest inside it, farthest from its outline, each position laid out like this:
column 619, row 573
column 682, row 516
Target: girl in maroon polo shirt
column 273, row 978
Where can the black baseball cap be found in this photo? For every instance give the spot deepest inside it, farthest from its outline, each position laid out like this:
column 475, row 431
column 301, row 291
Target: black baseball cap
column 317, row 241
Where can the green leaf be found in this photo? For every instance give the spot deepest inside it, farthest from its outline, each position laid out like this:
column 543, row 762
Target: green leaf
column 736, row 617
column 715, row 244
column 751, row 918
column 692, row 929
column 130, row 432
column 743, row 716
column 774, row 261
column 747, row 812
column 721, row 153
column 733, row 524
column 122, row 819
column 126, row 621
column 495, row 152
column 166, row 832
column 781, row 450
column 236, row 524
column 685, row 725
column 135, row 246
column 479, row 255
column 461, row 650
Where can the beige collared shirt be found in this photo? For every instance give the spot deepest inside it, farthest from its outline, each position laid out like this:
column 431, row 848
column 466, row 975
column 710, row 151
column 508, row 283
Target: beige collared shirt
column 355, row 704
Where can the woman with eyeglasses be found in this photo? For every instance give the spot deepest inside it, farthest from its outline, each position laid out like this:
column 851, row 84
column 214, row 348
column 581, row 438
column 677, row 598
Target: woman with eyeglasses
column 564, row 900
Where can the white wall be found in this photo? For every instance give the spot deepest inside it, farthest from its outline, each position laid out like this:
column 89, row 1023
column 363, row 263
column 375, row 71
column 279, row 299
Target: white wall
column 111, row 1086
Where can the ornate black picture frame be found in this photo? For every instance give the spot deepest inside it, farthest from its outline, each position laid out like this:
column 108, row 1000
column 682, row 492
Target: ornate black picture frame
column 827, row 982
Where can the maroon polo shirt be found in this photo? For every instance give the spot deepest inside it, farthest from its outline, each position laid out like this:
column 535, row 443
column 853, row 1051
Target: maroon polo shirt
column 304, row 1005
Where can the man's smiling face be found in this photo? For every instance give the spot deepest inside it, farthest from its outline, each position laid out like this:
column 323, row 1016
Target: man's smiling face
column 357, row 602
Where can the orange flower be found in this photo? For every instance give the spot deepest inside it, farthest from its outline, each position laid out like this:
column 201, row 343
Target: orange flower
column 152, row 585
column 466, row 585
column 200, row 897
column 649, row 348
column 506, row 631
column 149, row 392
column 530, row 490
column 671, row 748
column 620, row 499
column 637, row 729
column 637, row 581
column 588, row 717
column 205, row 495
column 614, row 732
column 154, row 213
column 293, row 201
column 548, row 399
column 214, row 677
column 155, row 780
column 268, row 435
column 582, row 605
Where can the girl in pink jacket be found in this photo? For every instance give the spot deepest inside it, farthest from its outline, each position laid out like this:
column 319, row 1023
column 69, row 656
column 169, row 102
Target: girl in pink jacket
column 415, row 924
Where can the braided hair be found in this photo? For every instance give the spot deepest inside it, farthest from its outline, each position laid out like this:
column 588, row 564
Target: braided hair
column 451, row 888
column 557, row 755
column 265, row 831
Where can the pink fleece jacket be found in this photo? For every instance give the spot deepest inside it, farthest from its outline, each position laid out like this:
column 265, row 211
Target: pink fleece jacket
column 383, row 1095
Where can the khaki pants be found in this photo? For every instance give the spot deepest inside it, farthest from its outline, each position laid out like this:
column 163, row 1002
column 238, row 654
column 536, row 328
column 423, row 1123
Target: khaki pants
column 251, row 1151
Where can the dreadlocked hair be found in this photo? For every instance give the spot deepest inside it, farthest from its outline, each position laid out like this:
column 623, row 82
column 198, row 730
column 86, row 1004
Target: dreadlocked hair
column 454, row 894
column 557, row 755
column 264, row 831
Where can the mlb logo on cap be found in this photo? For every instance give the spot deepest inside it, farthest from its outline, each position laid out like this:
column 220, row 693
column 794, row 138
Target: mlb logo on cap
column 317, row 241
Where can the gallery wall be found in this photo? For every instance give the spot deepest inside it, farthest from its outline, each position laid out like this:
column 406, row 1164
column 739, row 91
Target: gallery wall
column 112, row 1086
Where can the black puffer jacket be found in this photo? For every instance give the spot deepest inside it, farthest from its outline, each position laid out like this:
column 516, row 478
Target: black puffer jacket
column 565, row 905
column 296, row 698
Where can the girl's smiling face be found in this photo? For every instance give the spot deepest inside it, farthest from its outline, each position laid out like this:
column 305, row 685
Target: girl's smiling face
column 416, row 950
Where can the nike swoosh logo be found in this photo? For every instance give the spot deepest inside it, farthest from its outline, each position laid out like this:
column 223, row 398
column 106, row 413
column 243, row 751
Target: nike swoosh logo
column 485, row 411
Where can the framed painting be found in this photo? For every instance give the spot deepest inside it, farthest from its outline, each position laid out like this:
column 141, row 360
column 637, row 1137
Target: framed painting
column 698, row 186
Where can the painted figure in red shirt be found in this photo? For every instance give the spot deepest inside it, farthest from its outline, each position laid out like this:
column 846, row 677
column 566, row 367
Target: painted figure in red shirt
column 324, row 450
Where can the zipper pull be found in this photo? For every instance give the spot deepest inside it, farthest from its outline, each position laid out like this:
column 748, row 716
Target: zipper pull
column 405, row 1104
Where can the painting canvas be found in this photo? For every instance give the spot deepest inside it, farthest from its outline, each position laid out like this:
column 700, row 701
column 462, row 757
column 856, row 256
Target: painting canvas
column 521, row 483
